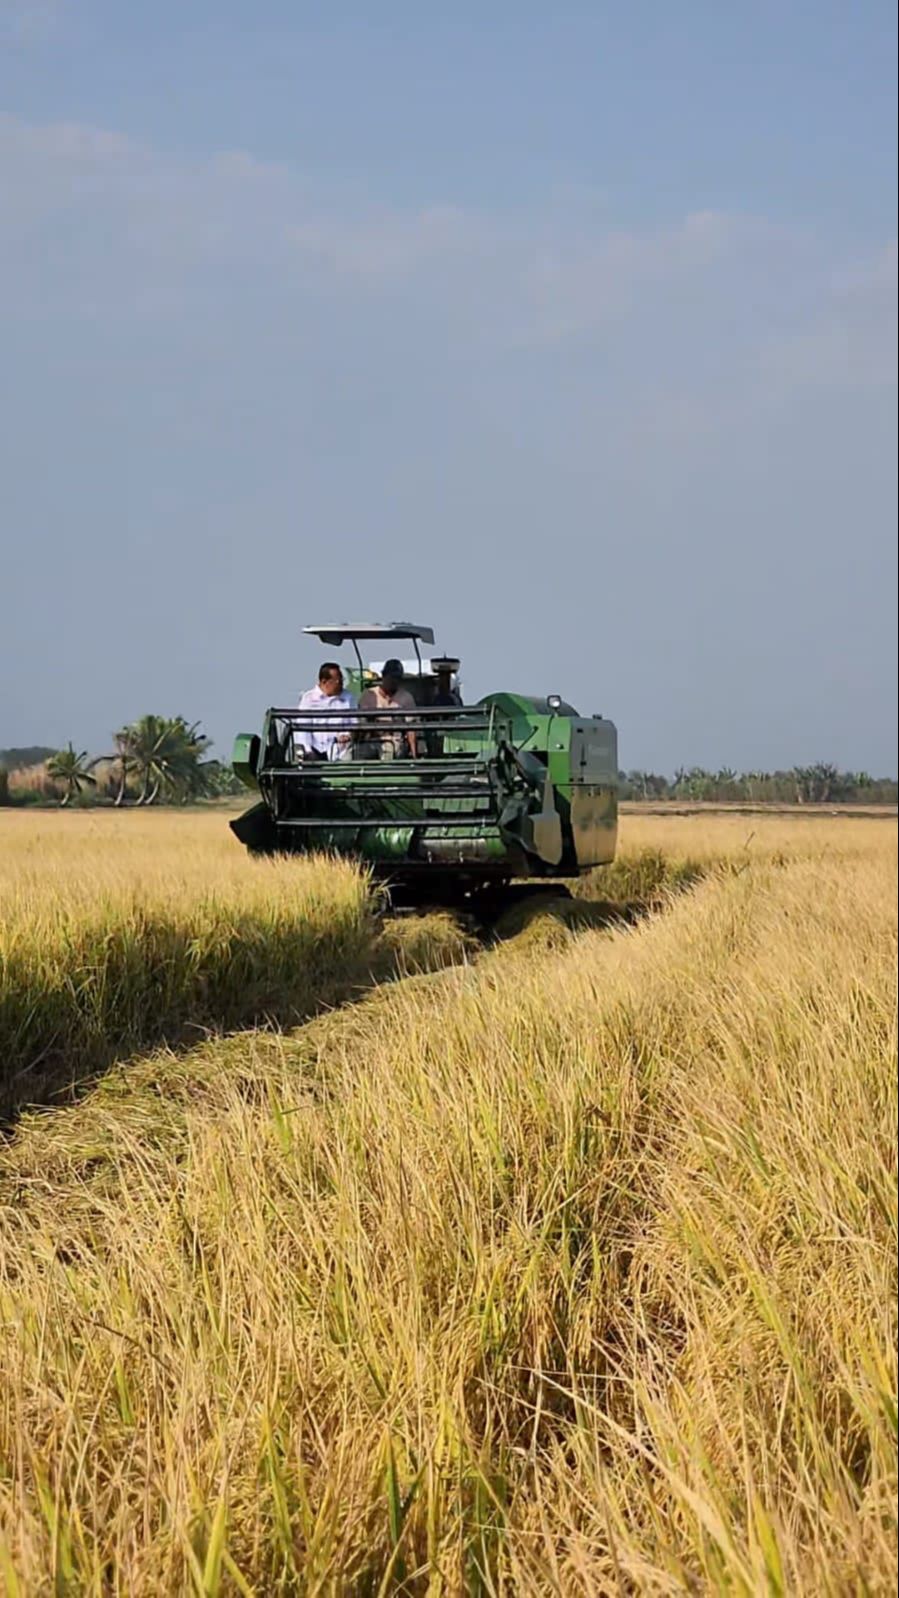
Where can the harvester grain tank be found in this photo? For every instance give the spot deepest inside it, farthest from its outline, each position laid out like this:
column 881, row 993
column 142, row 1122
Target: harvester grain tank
column 516, row 787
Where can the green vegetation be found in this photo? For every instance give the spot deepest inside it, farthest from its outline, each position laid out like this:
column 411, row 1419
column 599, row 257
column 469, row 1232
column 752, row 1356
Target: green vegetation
column 71, row 772
column 165, row 760
column 156, row 760
column 163, row 755
column 823, row 783
column 31, row 755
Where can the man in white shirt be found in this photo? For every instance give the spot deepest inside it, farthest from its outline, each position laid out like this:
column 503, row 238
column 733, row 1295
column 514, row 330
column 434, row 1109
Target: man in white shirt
column 329, row 737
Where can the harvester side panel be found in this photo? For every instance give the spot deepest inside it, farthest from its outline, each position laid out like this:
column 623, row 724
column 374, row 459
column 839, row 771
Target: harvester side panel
column 593, row 792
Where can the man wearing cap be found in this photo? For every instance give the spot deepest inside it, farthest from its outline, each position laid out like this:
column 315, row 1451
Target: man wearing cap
column 389, row 694
column 446, row 697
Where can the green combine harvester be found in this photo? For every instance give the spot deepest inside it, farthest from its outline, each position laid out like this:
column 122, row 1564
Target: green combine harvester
column 500, row 797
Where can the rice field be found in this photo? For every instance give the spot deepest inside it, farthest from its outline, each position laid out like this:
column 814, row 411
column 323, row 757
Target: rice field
column 119, row 931
column 566, row 1266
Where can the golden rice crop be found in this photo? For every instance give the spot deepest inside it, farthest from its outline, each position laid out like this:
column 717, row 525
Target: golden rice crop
column 567, row 1270
column 117, row 931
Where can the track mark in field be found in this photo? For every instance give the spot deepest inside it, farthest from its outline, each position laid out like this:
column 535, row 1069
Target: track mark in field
column 159, row 1088
column 402, row 949
column 56, row 1077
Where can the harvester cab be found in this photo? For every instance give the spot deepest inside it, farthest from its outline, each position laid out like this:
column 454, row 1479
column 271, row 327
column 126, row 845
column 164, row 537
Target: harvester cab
column 362, row 674
column 441, row 800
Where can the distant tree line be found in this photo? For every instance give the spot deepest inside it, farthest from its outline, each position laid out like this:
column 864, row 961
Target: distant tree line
column 27, row 755
column 154, row 760
column 165, row 760
column 819, row 784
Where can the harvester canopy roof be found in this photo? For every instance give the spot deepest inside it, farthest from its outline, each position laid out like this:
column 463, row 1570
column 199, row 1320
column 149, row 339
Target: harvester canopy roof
column 336, row 632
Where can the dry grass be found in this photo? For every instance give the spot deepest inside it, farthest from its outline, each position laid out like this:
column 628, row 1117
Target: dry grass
column 571, row 1270
column 33, row 780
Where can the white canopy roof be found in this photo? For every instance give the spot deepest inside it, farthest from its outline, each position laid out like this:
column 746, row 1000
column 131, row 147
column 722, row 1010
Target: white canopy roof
column 336, row 632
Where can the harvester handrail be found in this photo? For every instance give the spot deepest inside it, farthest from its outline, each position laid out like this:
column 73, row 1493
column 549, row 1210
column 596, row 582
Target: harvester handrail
column 381, row 790
column 456, row 766
column 428, row 715
column 329, row 823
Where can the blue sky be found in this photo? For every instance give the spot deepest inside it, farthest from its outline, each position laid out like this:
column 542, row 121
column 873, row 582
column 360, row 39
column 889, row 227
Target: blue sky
column 571, row 330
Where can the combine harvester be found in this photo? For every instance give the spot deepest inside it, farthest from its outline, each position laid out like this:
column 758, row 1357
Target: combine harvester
column 502, row 797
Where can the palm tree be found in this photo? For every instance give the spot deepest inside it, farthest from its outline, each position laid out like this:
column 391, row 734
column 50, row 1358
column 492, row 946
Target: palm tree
column 164, row 755
column 761, row 783
column 125, row 758
column 182, row 772
column 208, row 779
column 149, row 754
column 143, row 749
column 71, row 770
column 817, row 784
column 164, row 752
column 696, row 783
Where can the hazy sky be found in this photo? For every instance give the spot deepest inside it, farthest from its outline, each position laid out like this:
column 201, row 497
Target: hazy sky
column 570, row 329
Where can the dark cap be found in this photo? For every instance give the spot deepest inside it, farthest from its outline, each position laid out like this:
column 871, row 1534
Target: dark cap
column 392, row 668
